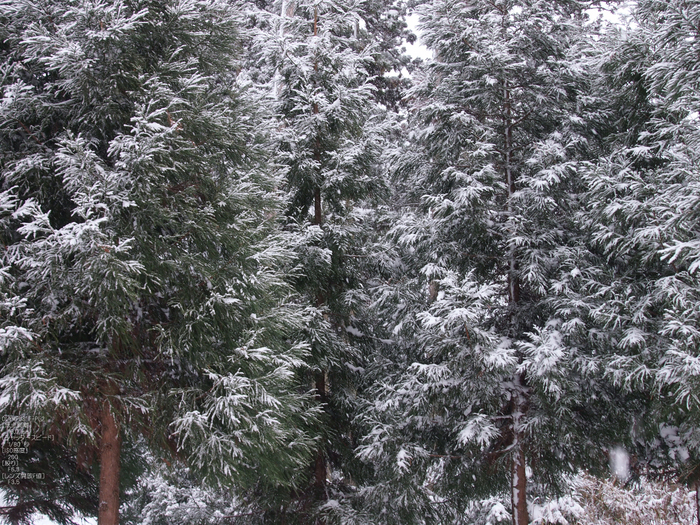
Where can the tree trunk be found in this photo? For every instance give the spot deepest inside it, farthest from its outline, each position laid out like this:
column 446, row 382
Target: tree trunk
column 318, row 214
column 518, row 478
column 518, row 473
column 513, row 280
column 320, row 470
column 320, row 466
column 110, row 449
column 519, row 488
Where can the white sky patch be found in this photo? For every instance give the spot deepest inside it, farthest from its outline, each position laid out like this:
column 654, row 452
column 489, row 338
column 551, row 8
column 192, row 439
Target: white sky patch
column 416, row 50
column 619, row 15
column 613, row 14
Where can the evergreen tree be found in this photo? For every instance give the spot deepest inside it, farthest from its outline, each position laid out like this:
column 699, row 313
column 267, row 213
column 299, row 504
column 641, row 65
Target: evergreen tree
column 481, row 384
column 673, row 219
column 642, row 213
column 324, row 63
column 165, row 495
column 142, row 291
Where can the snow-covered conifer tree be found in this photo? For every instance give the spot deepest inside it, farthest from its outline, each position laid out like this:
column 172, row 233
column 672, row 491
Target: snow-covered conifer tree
column 141, row 284
column 324, row 62
column 481, row 391
column 643, row 215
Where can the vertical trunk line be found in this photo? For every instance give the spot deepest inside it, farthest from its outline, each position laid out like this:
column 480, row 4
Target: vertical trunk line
column 519, row 487
column 110, row 449
column 320, row 470
column 318, row 211
column 518, row 471
column 318, row 216
column 513, row 281
column 320, row 464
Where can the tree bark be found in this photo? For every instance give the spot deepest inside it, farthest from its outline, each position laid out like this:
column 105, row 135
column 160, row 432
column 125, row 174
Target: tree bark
column 513, row 281
column 110, row 450
column 318, row 213
column 519, row 488
column 320, row 466
column 518, row 473
column 320, row 470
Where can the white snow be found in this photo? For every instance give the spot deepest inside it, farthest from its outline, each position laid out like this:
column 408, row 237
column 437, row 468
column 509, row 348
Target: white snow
column 620, row 463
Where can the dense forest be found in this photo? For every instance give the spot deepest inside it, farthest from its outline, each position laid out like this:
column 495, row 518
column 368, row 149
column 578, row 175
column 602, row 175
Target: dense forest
column 261, row 266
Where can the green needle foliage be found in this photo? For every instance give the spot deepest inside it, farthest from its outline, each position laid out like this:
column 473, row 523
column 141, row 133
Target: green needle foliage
column 140, row 266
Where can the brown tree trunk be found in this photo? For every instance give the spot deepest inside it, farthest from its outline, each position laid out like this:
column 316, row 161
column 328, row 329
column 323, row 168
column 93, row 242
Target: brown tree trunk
column 320, row 470
column 318, row 214
column 518, row 474
column 110, row 449
column 519, row 488
column 320, row 466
